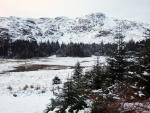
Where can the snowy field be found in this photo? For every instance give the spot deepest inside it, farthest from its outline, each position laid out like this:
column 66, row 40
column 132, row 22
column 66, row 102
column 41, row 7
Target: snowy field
column 26, row 85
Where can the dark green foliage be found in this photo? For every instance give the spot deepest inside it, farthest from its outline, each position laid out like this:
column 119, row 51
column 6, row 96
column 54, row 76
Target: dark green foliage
column 131, row 48
column 77, row 75
column 27, row 49
column 71, row 98
column 30, row 49
column 97, row 77
column 72, row 95
column 68, row 98
column 24, row 49
column 79, row 79
column 118, row 62
column 144, row 63
column 75, row 50
column 130, row 68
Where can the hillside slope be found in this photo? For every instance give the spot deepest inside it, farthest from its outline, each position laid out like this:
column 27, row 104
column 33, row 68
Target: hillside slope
column 92, row 28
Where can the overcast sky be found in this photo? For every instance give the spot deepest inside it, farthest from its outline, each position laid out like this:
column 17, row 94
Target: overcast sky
column 138, row 10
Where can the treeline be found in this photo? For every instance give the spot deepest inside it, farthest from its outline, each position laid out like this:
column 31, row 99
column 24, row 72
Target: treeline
column 28, row 49
column 108, row 88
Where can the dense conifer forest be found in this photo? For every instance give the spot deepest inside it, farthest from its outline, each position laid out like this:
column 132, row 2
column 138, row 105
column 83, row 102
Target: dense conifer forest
column 29, row 49
column 125, row 79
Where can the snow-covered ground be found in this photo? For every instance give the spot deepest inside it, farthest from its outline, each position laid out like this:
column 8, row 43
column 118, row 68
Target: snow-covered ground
column 30, row 91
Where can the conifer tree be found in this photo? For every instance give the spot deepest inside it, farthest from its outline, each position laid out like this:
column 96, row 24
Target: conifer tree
column 71, row 96
column 68, row 98
column 97, row 75
column 144, row 63
column 77, row 75
column 118, row 62
column 79, row 79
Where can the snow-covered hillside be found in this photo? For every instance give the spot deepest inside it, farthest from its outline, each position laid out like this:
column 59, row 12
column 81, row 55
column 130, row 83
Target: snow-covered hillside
column 92, row 28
